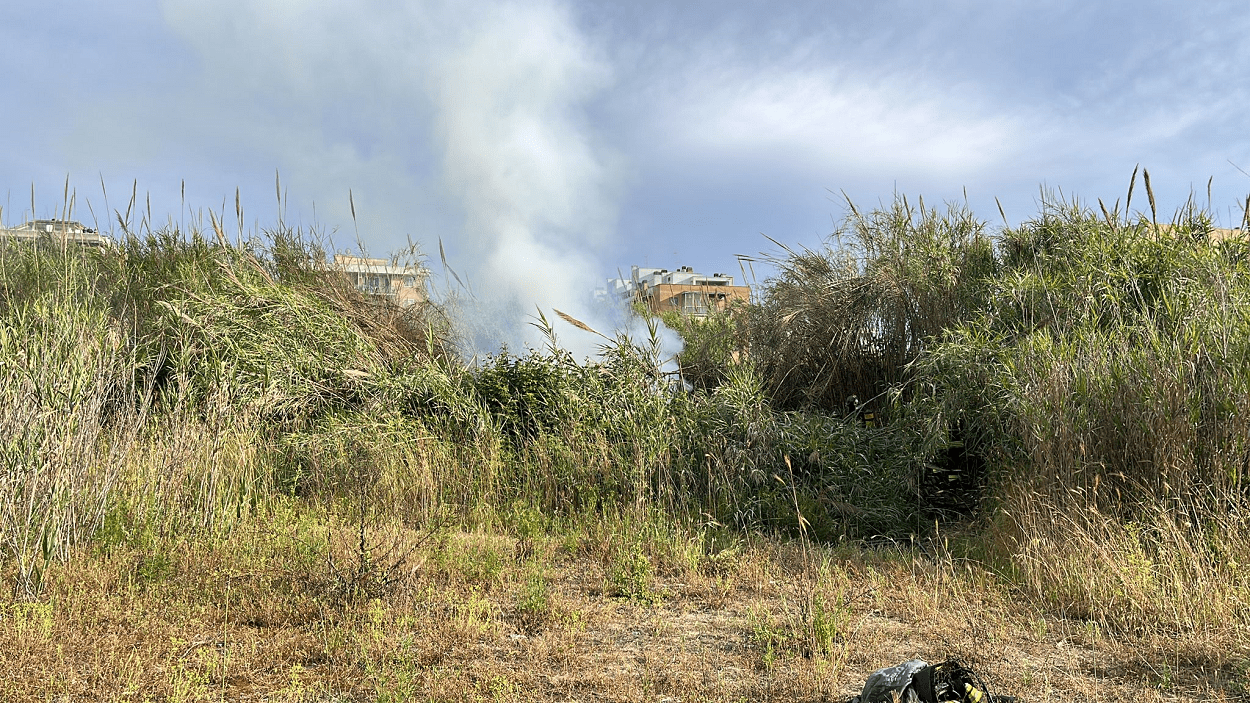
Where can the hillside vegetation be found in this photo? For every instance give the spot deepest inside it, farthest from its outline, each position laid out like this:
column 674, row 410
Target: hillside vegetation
column 1063, row 410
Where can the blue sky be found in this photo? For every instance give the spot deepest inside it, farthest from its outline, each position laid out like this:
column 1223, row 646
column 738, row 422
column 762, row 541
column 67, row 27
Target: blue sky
column 550, row 143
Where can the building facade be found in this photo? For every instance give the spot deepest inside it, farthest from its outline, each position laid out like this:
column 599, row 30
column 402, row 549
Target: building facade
column 402, row 285
column 56, row 231
column 683, row 291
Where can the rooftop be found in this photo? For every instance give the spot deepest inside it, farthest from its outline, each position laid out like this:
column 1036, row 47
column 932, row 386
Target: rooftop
column 71, row 230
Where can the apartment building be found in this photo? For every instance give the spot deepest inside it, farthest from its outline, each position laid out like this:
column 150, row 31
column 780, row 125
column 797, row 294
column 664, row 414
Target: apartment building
column 57, row 231
column 682, row 290
column 402, row 285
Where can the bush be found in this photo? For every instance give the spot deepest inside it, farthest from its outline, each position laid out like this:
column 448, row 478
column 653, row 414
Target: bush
column 712, row 346
column 1110, row 357
column 848, row 319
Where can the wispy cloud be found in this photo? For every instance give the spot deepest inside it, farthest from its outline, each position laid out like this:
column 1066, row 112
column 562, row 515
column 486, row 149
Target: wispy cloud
column 446, row 121
column 821, row 119
column 530, row 134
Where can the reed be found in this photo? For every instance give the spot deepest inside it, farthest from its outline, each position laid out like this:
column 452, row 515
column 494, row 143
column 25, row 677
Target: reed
column 848, row 319
column 1096, row 364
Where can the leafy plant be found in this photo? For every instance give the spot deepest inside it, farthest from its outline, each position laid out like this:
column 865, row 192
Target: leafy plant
column 630, row 575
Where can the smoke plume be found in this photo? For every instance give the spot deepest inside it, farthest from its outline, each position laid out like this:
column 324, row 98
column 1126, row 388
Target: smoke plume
column 538, row 194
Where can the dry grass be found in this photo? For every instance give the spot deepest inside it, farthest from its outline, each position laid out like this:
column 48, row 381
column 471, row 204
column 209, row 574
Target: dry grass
column 488, row 615
column 1172, row 567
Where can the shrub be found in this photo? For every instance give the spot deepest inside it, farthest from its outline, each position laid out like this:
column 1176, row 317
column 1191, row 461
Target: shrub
column 1111, row 357
column 848, row 319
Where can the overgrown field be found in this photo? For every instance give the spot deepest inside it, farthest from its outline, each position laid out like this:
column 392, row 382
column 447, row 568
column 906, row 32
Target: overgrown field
column 226, row 474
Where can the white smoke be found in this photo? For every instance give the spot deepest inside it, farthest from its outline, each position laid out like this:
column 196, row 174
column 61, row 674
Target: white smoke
column 460, row 122
column 539, row 195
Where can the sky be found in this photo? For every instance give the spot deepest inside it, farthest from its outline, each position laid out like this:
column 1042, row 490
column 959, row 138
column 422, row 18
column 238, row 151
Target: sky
column 549, row 144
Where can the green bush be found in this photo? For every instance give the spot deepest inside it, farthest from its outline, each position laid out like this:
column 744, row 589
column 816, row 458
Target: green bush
column 1110, row 356
column 848, row 319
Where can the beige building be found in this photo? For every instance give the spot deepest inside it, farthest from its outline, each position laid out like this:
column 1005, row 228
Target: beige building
column 402, row 285
column 683, row 290
column 56, row 231
column 1219, row 235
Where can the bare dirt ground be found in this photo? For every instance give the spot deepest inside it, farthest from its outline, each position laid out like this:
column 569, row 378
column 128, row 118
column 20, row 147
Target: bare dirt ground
column 485, row 617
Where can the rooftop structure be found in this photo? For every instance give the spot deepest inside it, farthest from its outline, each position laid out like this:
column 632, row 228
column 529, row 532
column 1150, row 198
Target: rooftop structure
column 55, row 230
column 683, row 290
column 402, row 285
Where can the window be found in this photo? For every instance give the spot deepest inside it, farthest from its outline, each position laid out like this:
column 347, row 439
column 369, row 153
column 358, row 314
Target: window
column 694, row 303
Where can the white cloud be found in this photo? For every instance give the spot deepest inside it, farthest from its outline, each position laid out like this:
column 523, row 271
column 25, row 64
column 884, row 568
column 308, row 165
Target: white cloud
column 467, row 116
column 816, row 118
column 473, row 111
column 509, row 125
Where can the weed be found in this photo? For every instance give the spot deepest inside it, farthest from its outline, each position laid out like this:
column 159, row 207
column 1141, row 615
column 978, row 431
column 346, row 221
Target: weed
column 1239, row 683
column 631, row 575
column 32, row 619
column 768, row 635
column 822, row 625
column 534, row 600
column 153, row 568
column 474, row 613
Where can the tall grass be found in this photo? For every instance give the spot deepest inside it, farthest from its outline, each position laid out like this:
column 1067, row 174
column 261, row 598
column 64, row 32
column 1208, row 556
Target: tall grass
column 148, row 379
column 1097, row 365
column 178, row 382
column 1105, row 380
column 65, row 424
column 1111, row 357
column 848, row 319
column 1094, row 363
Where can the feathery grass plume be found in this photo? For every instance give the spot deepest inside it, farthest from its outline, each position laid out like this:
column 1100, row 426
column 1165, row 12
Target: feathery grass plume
column 1128, row 200
column 579, row 324
column 1111, row 221
column 447, row 267
column 1150, row 196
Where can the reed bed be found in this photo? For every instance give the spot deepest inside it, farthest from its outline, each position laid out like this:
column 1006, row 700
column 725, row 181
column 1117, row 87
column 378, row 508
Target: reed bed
column 1088, row 371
